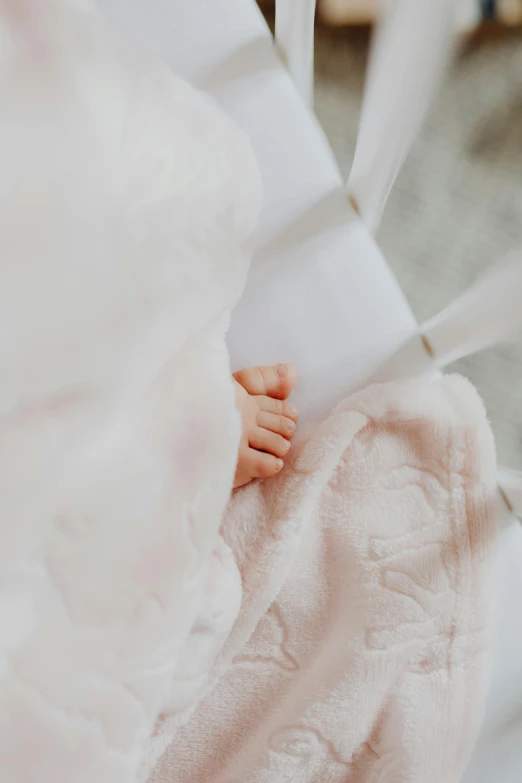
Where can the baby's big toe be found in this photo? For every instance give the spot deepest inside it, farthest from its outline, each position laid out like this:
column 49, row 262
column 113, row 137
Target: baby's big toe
column 263, row 465
column 277, row 382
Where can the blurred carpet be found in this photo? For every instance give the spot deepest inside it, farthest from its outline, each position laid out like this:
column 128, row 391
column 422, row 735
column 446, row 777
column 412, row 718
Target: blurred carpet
column 457, row 205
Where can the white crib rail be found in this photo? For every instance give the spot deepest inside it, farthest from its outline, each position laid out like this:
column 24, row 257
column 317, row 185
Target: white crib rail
column 411, row 46
column 486, row 314
column 294, row 34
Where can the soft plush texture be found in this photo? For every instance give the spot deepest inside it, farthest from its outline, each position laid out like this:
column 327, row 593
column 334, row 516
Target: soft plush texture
column 360, row 652
column 118, row 428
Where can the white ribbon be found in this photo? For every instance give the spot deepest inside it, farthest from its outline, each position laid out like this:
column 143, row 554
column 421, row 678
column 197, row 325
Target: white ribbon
column 486, row 314
column 410, row 48
column 294, row 33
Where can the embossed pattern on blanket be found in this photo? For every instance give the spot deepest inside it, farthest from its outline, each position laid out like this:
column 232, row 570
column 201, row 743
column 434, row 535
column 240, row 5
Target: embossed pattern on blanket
column 361, row 649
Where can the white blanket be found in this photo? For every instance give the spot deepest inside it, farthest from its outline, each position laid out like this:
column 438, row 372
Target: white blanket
column 361, row 650
column 118, row 429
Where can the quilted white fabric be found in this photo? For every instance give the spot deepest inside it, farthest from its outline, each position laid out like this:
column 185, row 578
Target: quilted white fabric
column 319, row 292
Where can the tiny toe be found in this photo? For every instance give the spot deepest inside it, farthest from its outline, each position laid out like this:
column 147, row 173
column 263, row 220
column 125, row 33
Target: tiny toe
column 263, row 465
column 280, row 424
column 277, row 382
column 278, row 407
column 264, row 440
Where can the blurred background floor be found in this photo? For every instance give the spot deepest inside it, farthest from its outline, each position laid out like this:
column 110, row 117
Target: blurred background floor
column 457, row 205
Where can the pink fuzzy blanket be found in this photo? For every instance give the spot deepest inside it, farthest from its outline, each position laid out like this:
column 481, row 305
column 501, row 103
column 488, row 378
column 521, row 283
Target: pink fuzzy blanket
column 360, row 650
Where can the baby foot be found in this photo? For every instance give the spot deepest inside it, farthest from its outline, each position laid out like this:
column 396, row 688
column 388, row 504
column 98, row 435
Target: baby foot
column 269, row 422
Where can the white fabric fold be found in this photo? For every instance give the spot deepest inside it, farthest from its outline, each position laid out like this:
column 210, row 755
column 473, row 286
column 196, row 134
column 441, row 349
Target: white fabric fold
column 118, row 426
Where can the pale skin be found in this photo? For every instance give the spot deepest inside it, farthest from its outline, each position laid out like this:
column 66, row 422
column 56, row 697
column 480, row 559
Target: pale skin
column 268, row 420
